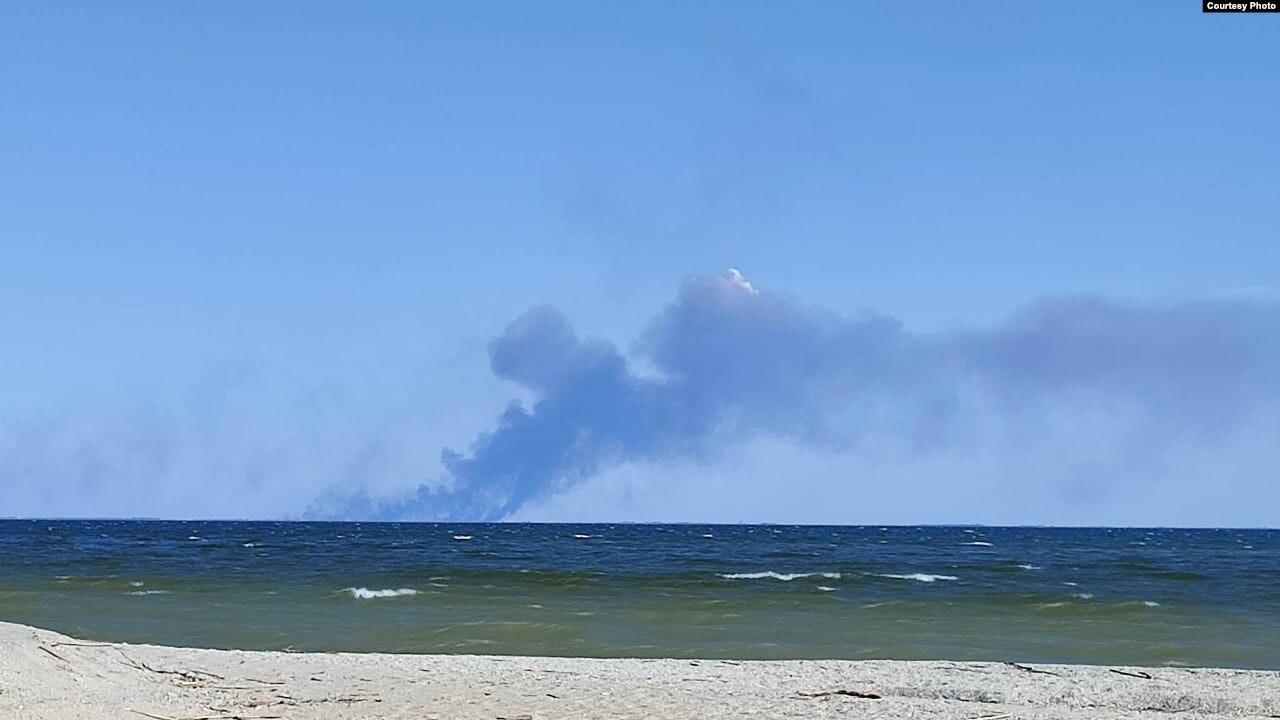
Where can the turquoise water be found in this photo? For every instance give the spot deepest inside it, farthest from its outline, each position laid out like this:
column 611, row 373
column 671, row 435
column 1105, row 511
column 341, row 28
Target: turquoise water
column 1131, row 596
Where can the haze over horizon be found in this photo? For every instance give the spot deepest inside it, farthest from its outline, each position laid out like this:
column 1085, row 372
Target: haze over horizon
column 726, row 263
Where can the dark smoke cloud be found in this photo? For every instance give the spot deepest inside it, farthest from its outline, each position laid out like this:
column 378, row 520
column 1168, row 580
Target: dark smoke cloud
column 731, row 363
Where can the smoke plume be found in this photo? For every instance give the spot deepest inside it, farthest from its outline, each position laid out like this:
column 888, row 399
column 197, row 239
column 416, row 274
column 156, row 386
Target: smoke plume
column 725, row 363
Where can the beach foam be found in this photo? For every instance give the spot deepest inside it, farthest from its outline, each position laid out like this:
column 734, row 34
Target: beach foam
column 920, row 577
column 364, row 593
column 778, row 576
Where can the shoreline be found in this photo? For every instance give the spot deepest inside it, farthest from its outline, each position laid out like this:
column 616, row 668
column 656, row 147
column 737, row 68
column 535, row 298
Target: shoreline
column 44, row 674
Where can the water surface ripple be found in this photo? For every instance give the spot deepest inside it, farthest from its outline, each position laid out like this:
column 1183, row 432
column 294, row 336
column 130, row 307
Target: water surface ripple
column 1124, row 596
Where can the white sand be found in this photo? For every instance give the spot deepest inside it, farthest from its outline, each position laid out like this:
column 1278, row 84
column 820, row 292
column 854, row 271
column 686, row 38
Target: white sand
column 47, row 675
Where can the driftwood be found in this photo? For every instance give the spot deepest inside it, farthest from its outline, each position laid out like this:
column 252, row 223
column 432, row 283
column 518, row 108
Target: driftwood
column 264, row 682
column 193, row 676
column 847, row 693
column 1028, row 668
column 206, row 717
column 54, row 654
column 1138, row 674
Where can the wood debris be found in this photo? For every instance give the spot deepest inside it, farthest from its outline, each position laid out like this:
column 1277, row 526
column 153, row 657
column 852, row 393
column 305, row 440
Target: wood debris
column 847, row 693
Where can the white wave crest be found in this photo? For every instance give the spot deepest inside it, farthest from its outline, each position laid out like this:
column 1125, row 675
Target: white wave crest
column 919, row 577
column 364, row 593
column 778, row 576
column 978, row 543
column 148, row 592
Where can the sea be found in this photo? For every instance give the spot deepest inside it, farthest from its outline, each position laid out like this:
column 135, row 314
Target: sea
column 1146, row 597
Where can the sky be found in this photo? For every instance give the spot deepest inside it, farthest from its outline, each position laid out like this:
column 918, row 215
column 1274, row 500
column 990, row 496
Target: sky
column 999, row 263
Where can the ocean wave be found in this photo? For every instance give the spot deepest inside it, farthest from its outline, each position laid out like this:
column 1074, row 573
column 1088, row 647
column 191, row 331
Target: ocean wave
column 148, row 592
column 1029, row 566
column 1084, row 605
column 364, row 593
column 919, row 577
column 461, row 537
column 826, row 588
column 779, row 576
column 978, row 543
column 581, row 536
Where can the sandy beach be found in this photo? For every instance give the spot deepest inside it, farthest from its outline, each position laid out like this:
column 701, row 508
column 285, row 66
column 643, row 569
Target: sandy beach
column 48, row 675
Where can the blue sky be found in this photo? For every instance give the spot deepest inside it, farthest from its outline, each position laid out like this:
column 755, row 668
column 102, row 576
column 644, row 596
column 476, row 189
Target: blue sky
column 254, row 262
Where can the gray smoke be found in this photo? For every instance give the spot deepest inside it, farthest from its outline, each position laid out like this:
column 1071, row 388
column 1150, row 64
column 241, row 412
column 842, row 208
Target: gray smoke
column 730, row 363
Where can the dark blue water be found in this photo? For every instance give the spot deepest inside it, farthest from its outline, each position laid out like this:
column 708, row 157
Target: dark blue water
column 1135, row 596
